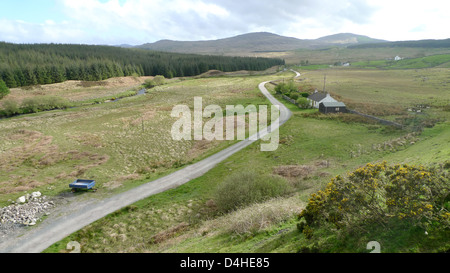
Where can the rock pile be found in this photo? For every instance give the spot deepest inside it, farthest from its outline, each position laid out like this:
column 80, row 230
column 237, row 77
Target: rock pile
column 26, row 211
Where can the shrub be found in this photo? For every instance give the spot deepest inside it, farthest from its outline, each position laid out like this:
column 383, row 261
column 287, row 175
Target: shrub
column 30, row 105
column 157, row 81
column 294, row 96
column 10, row 108
column 304, row 94
column 303, row 103
column 242, row 189
column 286, row 88
column 384, row 196
column 33, row 105
column 149, row 84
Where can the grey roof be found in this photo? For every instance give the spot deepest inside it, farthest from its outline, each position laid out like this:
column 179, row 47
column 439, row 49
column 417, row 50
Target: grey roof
column 333, row 104
column 319, row 96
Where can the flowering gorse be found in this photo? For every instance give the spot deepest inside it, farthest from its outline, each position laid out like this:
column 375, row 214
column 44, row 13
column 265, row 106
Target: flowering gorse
column 381, row 194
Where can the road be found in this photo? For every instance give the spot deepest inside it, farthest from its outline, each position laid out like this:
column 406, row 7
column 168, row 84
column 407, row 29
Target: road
column 58, row 227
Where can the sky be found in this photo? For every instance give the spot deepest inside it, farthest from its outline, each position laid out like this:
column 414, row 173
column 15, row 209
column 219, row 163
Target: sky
column 135, row 22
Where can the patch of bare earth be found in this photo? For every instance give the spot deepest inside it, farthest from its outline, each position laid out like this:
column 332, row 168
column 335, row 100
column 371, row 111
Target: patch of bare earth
column 118, row 182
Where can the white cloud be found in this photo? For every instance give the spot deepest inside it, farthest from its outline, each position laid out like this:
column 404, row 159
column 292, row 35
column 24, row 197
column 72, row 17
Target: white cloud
column 411, row 19
column 24, row 32
column 141, row 21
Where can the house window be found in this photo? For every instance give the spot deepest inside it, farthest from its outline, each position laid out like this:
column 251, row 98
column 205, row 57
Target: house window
column 337, row 109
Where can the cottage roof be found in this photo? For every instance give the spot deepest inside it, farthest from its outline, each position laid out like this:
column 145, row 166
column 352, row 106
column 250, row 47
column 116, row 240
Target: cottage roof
column 333, row 104
column 318, row 96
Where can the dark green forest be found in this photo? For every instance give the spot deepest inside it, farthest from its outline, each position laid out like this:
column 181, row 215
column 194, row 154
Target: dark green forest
column 33, row 64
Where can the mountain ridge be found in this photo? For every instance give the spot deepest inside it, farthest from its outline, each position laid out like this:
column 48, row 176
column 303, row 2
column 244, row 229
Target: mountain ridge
column 256, row 42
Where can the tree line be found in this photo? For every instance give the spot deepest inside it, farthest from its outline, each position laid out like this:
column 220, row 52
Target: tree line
column 33, row 64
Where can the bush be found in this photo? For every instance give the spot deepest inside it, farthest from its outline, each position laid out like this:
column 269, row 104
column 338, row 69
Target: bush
column 384, row 196
column 304, row 94
column 34, row 105
column 10, row 108
column 149, row 84
column 243, row 189
column 303, row 103
column 30, row 105
column 157, row 81
column 286, row 88
column 294, row 96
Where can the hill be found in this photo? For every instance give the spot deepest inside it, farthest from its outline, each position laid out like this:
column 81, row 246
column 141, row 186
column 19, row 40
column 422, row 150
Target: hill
column 347, row 39
column 254, row 43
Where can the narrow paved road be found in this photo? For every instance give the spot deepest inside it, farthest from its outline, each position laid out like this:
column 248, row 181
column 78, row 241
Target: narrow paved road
column 56, row 228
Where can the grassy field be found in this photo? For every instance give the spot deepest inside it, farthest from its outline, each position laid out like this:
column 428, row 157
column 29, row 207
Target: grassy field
column 331, row 56
column 119, row 144
column 312, row 151
column 387, row 91
column 126, row 143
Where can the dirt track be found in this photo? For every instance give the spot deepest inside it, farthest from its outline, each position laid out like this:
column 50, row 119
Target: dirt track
column 76, row 215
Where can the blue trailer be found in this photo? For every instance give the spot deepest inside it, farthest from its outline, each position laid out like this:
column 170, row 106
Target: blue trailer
column 81, row 184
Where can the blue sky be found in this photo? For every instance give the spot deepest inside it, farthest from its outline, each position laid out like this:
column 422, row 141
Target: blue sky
column 30, row 11
column 142, row 21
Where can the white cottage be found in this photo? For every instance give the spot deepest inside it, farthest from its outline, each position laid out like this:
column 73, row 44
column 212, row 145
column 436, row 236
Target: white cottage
column 318, row 97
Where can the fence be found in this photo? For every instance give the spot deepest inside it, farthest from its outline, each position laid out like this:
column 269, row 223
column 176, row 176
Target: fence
column 380, row 120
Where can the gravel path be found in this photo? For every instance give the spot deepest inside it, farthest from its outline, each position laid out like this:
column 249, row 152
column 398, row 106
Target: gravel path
column 77, row 213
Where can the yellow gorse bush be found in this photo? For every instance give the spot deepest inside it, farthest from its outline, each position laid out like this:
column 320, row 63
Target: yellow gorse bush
column 381, row 194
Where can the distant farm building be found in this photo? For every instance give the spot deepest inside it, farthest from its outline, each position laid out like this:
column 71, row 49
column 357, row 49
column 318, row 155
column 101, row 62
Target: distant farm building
column 318, row 97
column 398, row 58
column 332, row 107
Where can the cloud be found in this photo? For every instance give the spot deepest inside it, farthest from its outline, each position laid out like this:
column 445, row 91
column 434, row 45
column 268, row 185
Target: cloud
column 17, row 31
column 201, row 19
column 141, row 21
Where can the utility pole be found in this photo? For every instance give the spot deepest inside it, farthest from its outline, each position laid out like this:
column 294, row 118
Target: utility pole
column 324, row 83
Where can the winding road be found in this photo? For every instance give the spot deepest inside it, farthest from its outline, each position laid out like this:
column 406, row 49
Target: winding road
column 57, row 227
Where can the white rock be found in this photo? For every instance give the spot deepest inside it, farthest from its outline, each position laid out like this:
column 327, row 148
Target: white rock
column 36, row 194
column 21, row 199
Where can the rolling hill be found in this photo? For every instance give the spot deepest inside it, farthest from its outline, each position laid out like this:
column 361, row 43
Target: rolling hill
column 256, row 42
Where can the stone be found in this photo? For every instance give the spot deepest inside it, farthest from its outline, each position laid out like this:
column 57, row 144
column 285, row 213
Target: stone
column 36, row 194
column 21, row 199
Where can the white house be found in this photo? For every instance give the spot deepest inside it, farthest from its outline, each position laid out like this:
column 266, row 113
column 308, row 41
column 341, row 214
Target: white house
column 318, row 97
column 398, row 58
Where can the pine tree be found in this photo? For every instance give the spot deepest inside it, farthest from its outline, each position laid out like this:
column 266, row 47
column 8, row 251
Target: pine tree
column 4, row 90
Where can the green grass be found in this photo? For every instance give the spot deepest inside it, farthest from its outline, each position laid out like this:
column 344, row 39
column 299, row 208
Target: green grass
column 414, row 63
column 120, row 144
column 383, row 92
column 303, row 143
column 332, row 55
column 184, row 219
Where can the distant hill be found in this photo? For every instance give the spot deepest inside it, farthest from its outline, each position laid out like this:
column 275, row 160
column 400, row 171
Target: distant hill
column 346, row 39
column 256, row 42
